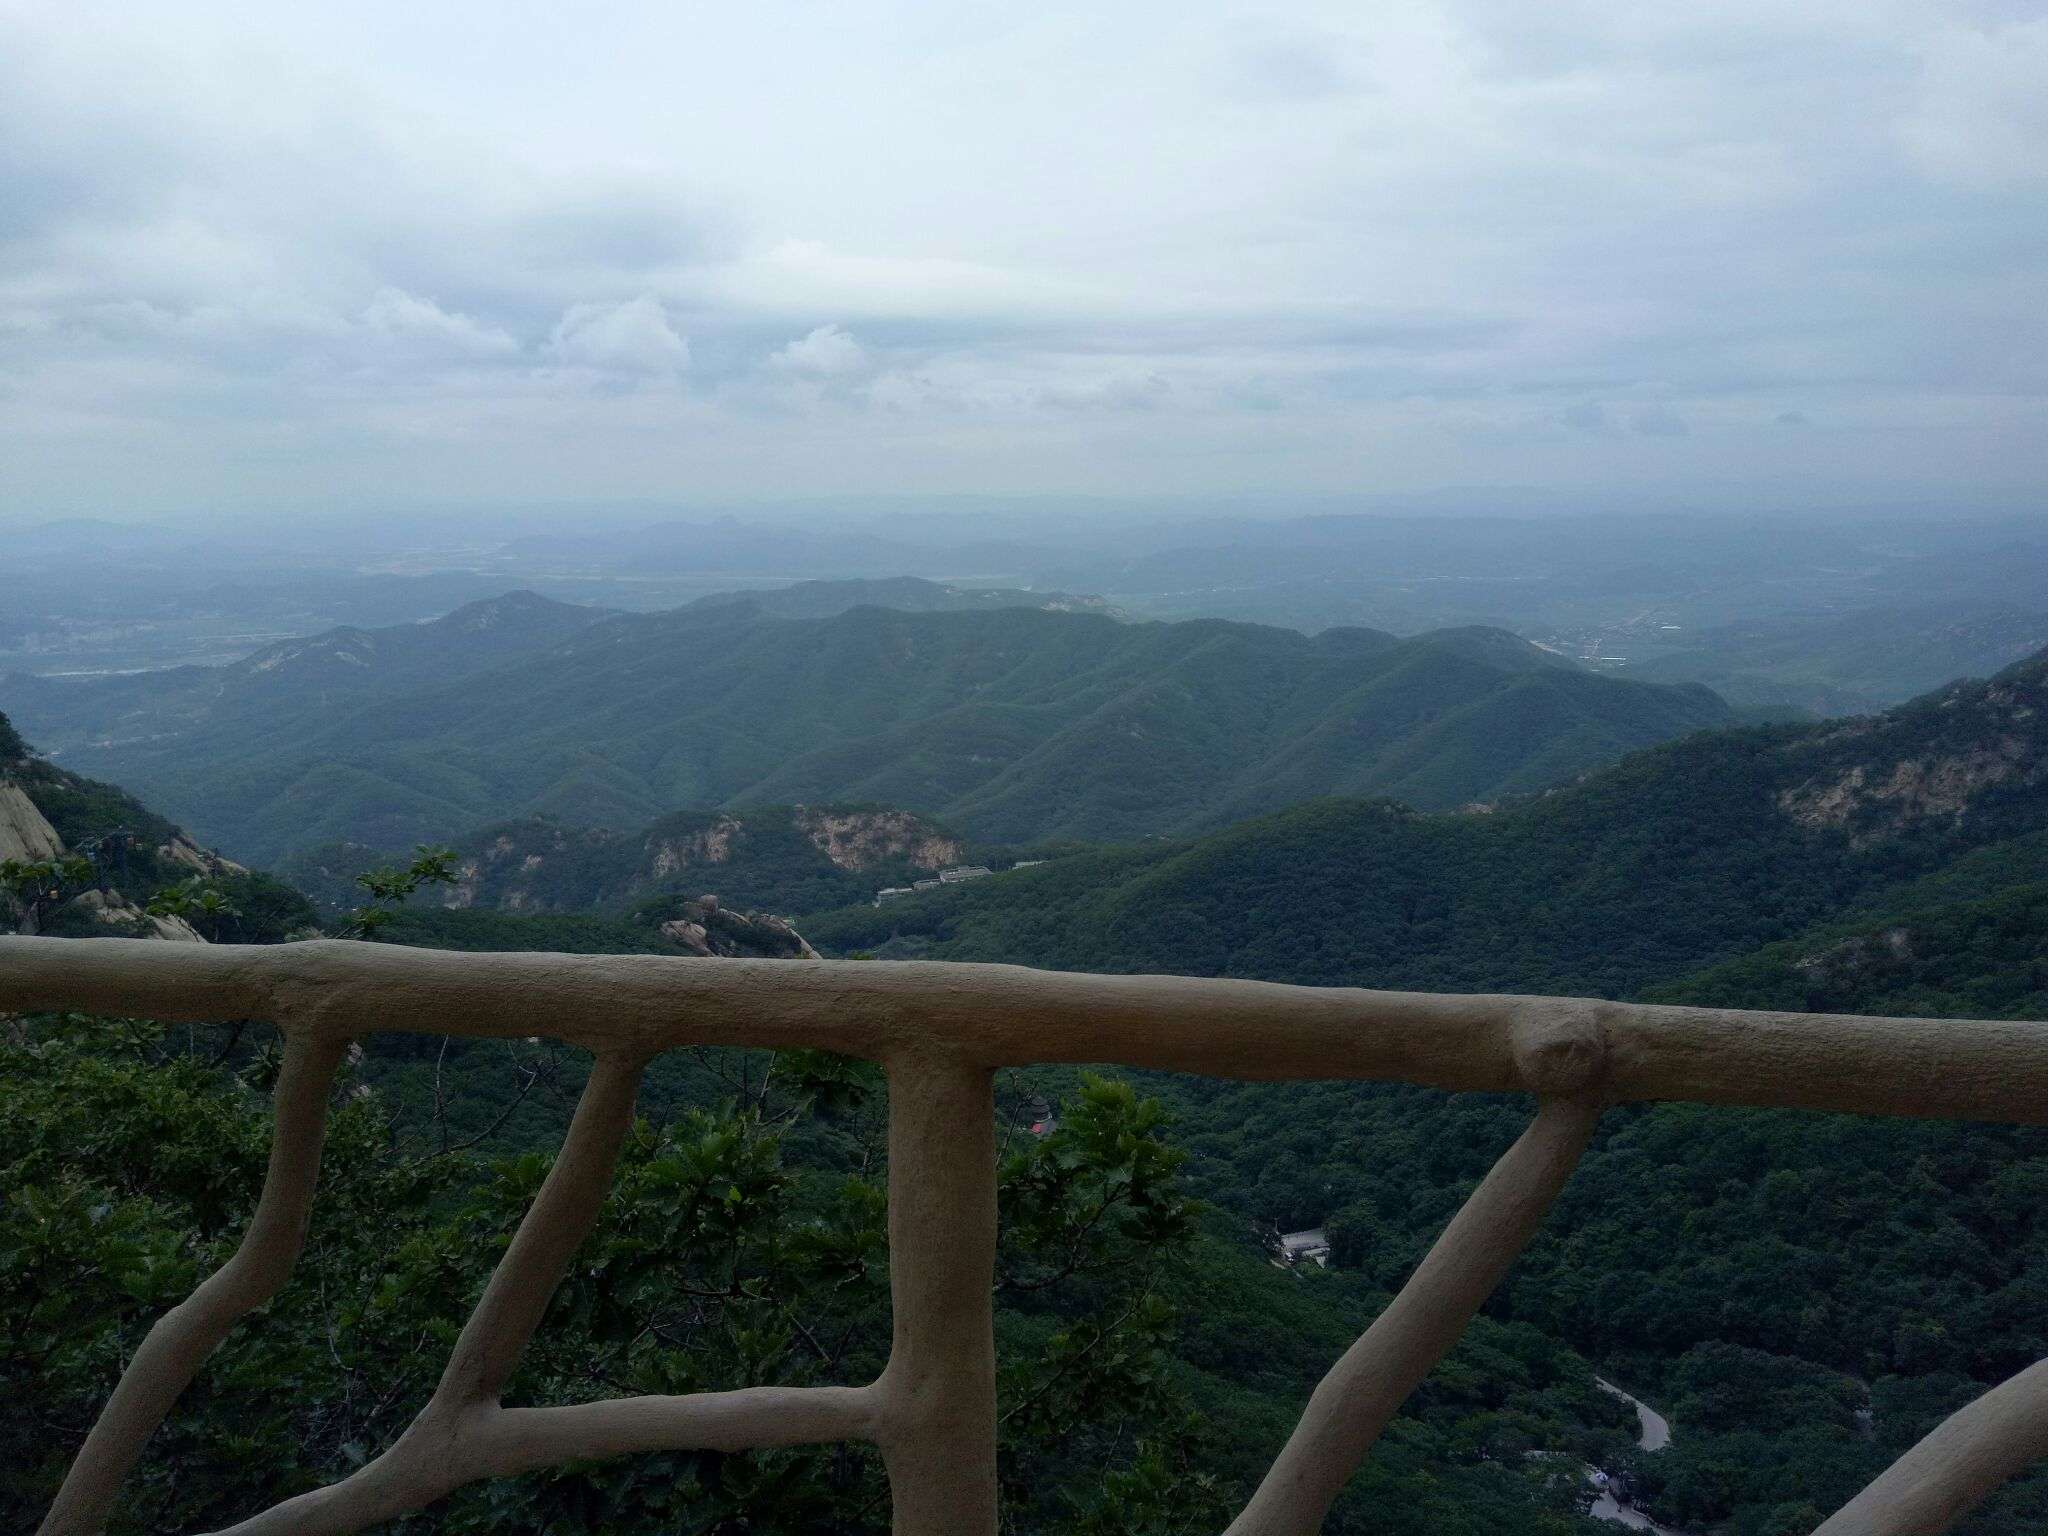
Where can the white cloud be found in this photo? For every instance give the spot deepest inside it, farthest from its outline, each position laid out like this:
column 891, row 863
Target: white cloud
column 397, row 314
column 634, row 337
column 827, row 352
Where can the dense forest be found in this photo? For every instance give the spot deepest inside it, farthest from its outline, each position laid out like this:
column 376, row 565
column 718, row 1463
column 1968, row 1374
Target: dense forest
column 1007, row 724
column 1802, row 1295
column 1681, row 856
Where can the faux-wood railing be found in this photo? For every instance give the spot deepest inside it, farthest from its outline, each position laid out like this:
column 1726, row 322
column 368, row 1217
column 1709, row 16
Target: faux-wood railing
column 940, row 1031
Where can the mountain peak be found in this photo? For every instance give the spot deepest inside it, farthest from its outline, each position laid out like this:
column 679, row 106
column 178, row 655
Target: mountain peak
column 523, row 605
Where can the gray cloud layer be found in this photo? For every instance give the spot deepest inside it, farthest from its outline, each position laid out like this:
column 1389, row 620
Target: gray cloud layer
column 343, row 253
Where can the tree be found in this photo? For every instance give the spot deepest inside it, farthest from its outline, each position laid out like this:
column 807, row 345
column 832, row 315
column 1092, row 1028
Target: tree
column 391, row 887
column 40, row 886
column 744, row 1243
column 204, row 905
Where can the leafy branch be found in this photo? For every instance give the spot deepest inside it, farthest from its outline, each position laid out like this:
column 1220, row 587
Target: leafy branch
column 391, row 886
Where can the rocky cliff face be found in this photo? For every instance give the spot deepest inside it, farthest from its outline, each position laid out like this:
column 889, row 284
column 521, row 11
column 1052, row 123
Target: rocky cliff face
column 861, row 840
column 666, row 853
column 760, row 856
column 705, row 928
column 28, row 836
column 121, row 918
column 186, row 854
column 1932, row 761
column 24, row 833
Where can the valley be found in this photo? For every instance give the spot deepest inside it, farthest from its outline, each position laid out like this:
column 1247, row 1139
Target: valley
column 1058, row 770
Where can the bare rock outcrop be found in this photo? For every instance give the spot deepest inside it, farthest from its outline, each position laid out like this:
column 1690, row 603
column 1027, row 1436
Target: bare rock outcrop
column 113, row 911
column 671, row 852
column 858, row 840
column 24, row 832
column 201, row 861
column 1917, row 789
column 705, row 928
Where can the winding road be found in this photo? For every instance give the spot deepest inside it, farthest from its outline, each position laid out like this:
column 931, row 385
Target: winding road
column 1653, row 1434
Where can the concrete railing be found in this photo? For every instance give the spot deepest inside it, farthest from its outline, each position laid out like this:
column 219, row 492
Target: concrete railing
column 939, row 1032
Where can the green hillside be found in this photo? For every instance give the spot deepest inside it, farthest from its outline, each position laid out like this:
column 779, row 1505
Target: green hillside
column 1011, row 724
column 1802, row 1295
column 294, row 684
column 1675, row 858
column 80, row 858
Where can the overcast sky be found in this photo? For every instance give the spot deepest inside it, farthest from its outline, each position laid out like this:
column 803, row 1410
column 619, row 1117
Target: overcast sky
column 294, row 254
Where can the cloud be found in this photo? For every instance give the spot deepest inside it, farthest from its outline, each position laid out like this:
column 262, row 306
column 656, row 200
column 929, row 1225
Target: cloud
column 827, row 352
column 400, row 315
column 634, row 337
column 1139, row 247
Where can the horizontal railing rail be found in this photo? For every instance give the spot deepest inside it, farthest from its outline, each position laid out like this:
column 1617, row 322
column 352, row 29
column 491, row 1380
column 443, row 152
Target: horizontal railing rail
column 939, row 1031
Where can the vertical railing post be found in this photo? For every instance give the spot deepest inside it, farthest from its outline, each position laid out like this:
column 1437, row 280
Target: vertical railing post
column 180, row 1341
column 937, row 1419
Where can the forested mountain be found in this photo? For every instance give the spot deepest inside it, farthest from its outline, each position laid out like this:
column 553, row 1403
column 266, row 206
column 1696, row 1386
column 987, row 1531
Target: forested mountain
column 1802, row 1295
column 1675, row 858
column 1010, row 724
column 303, row 678
column 292, row 685
column 1152, row 1358
column 1824, row 616
column 908, row 594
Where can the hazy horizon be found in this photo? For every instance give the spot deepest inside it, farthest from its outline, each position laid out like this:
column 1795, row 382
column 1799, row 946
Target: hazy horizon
column 1049, row 518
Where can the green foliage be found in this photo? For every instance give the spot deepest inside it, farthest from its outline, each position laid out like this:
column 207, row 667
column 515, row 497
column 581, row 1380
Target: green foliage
column 128, row 1164
column 1973, row 959
column 1147, row 1369
column 1677, row 858
column 390, row 887
column 37, row 887
column 1013, row 724
column 137, row 854
column 206, row 906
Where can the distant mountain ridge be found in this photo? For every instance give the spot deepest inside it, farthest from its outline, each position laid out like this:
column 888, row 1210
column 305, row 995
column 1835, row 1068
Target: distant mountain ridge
column 1680, row 857
column 1009, row 723
column 291, row 680
column 908, row 594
